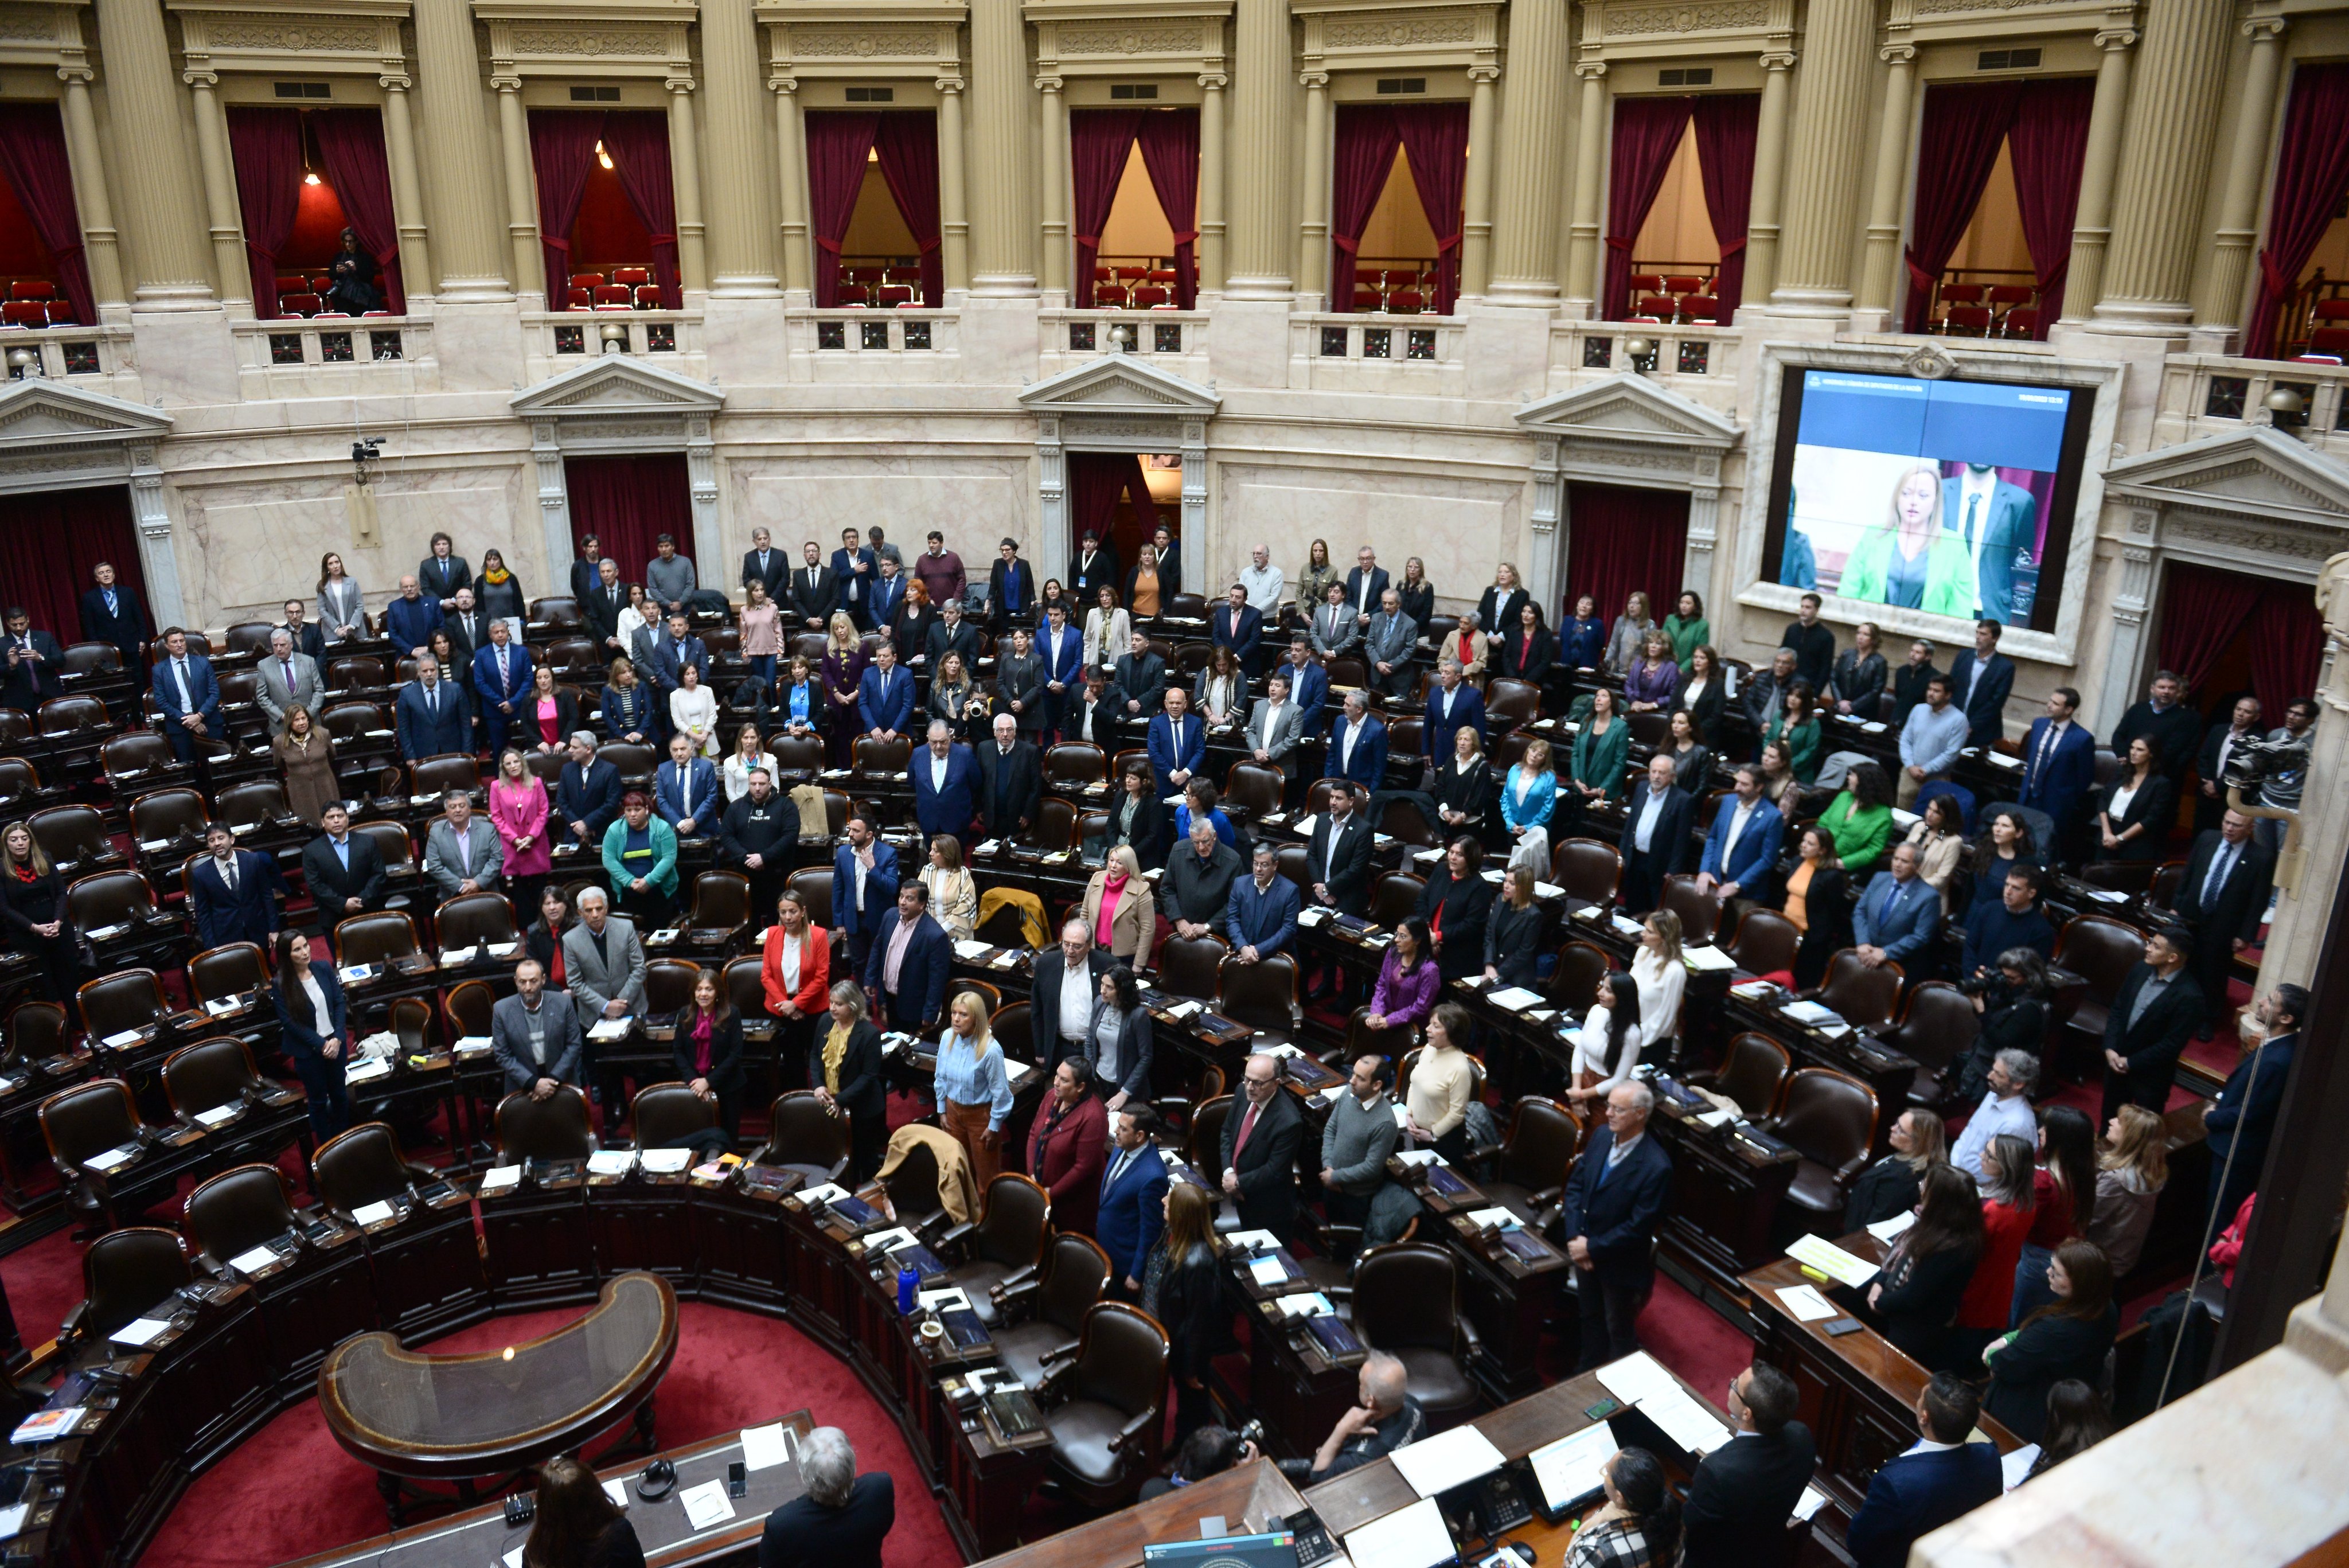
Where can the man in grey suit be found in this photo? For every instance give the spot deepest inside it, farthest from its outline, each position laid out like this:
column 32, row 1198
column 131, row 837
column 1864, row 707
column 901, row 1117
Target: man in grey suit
column 462, row 854
column 1387, row 646
column 605, row 964
column 288, row 677
column 1274, row 727
column 535, row 1039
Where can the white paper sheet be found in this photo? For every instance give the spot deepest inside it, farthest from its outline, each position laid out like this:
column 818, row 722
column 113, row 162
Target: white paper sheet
column 825, row 1193
column 1573, row 1467
column 889, row 1240
column 2017, row 1465
column 451, row 957
column 1810, row 1502
column 665, row 1161
column 1818, row 1254
column 122, row 1041
column 1705, row 959
column 1412, row 1537
column 1810, row 1012
column 373, row 1213
column 1805, row 1302
column 499, row 1177
column 220, row 1007
column 12, row 1520
column 706, row 1505
column 218, row 1115
column 110, row 1159
column 1268, row 1273
column 1891, row 1230
column 140, row 1331
column 472, row 1044
column 1246, row 1240
column 612, row 1162
column 610, row 1029
column 1417, row 1156
column 1689, row 1424
column 952, row 1300
column 367, row 1071
column 617, row 1490
column 513, row 1559
column 1450, row 1458
column 1636, row 1377
column 253, row 1260
column 764, row 1447
column 1515, row 998
column 1495, row 1217
column 1716, row 1118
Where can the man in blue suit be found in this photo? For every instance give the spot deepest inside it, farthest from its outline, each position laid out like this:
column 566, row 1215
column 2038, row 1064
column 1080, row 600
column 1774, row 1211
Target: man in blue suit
column 906, row 969
column 588, row 795
column 1239, row 627
column 1981, row 680
column 188, row 695
column 1358, row 746
column 1917, row 1493
column 1898, row 914
column 885, row 697
column 230, row 892
column 1061, row 651
column 410, row 619
column 431, row 714
column 673, row 650
column 1133, row 1195
column 863, row 889
column 1309, row 686
column 1261, row 914
column 1995, row 520
column 853, row 568
column 946, row 784
column 1453, row 706
column 501, row 676
column 1614, row 1202
column 2059, row 764
column 1742, row 846
column 2242, row 1119
column 888, row 593
column 1177, row 744
column 685, row 791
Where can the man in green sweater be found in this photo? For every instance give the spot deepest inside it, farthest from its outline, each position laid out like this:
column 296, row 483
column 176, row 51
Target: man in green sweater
column 1360, row 1136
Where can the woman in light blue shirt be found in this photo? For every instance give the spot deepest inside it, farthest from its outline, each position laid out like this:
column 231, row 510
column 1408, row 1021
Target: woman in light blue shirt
column 1531, row 793
column 973, row 1085
column 800, row 705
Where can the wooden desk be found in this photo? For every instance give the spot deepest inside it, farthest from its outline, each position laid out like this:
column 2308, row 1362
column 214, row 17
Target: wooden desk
column 1726, row 1192
column 1245, row 1497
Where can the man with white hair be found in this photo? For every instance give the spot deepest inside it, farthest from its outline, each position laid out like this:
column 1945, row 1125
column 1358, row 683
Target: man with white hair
column 1614, row 1203
column 1262, row 582
column 1385, row 1417
column 841, row 1518
column 289, row 678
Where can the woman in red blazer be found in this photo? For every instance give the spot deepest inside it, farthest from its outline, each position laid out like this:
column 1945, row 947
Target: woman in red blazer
column 1070, row 1138
column 797, row 995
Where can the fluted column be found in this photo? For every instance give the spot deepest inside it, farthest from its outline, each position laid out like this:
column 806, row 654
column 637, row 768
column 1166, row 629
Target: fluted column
column 219, row 190
column 1053, row 182
column 1209, row 251
column 1476, row 202
column 1589, row 158
column 1531, row 151
column 741, row 204
column 1769, row 179
column 790, row 156
column 167, row 256
column 1263, row 214
column 521, row 192
column 1313, row 196
column 954, row 212
column 1879, row 279
column 1003, row 186
column 2084, row 274
column 2165, row 168
column 101, row 248
column 460, row 201
column 1823, row 161
column 685, row 172
column 406, row 195
column 2221, row 307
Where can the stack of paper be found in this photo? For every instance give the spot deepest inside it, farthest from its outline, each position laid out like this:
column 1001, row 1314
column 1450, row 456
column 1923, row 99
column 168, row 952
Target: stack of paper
column 219, row 1115
column 500, row 1178
column 1515, row 998
column 953, row 1300
column 1417, row 1156
column 1498, row 1219
column 47, row 1426
column 764, row 1447
column 607, row 1029
column 253, row 1261
column 1823, row 1256
column 366, row 1071
column 122, row 1041
column 140, row 1331
column 113, row 1159
column 2016, row 1465
column 1891, row 1230
column 1311, row 1303
column 826, row 1192
column 1251, row 1241
column 1412, row 1537
column 1811, row 1013
column 451, row 957
column 1439, row 1463
column 373, row 1213
column 1270, row 1273
column 665, row 1161
column 1707, row 960
column 1813, row 1499
column 970, row 951
column 1805, row 1302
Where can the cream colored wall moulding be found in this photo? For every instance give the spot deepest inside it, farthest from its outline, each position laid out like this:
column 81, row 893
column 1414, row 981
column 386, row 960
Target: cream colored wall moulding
column 615, row 405
column 308, row 38
column 1382, row 35
column 57, row 436
column 602, row 38
column 1642, row 29
column 864, row 39
column 1138, row 38
column 1117, row 404
column 48, row 36
column 2002, row 22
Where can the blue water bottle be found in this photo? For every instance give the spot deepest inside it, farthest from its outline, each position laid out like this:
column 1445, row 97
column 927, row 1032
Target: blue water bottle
column 906, row 1280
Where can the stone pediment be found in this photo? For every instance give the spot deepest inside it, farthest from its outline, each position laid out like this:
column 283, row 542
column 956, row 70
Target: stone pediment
column 35, row 413
column 1120, row 385
column 618, row 384
column 1628, row 407
column 2257, row 475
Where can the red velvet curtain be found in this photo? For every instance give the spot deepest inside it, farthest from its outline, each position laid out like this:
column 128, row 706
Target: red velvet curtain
column 907, row 145
column 1647, row 132
column 49, row 543
column 2202, row 610
column 1170, row 151
column 1435, row 136
column 2049, row 143
column 350, row 144
column 561, row 145
column 2310, row 177
column 33, row 161
column 2288, row 653
column 1618, row 538
column 629, row 502
column 265, row 144
column 1727, row 125
column 1099, row 142
column 1096, row 480
column 1360, row 164
column 1964, row 126
column 837, row 143
column 637, row 139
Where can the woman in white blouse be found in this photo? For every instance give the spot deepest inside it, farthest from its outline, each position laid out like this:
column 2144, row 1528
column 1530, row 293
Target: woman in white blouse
column 693, row 712
column 1662, row 977
column 954, row 895
column 1108, row 630
column 342, row 607
column 748, row 754
column 1606, row 1046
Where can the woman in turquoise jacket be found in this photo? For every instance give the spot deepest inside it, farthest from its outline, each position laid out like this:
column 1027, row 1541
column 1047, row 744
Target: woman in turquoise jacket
column 640, row 856
column 1530, row 794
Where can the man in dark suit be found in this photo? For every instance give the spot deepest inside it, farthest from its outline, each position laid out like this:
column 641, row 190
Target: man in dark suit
column 501, row 675
column 2242, row 1121
column 34, row 665
column 685, row 792
column 1366, row 587
column 431, row 715
column 1011, row 781
column 1338, row 857
column 186, row 694
column 1261, row 1135
column 2219, row 745
column 1197, row 889
column 1743, row 1492
column 2222, row 898
column 309, row 637
column 2151, row 1018
column 946, row 784
column 342, row 869
column 1177, row 744
column 1170, row 563
column 410, row 619
column 1141, row 676
column 1655, row 835
column 884, row 696
column 1993, row 517
column 1132, row 1195
column 587, row 570
column 906, row 971
column 1069, row 1147
column 2175, row 729
column 468, row 628
column 1308, row 685
column 2059, row 765
column 1095, row 568
column 1358, row 746
column 1452, row 705
column 1943, row 1476
column 888, row 591
column 1058, row 1024
column 230, row 892
column 1097, row 714
column 1910, row 680
column 841, row 1518
column 1614, row 1202
column 111, row 613
column 601, row 607
column 764, row 565
column 950, row 633
column 1981, row 679
column 815, row 592
column 1897, row 914
column 1061, row 650
column 853, row 568
column 863, row 889
column 1260, row 918
column 673, row 650
column 587, row 795
column 1239, row 627
column 442, row 573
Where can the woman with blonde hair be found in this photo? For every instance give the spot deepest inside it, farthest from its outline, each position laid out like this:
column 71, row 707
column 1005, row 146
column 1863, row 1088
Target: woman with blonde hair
column 518, row 811
column 1920, row 1140
column 33, row 905
column 627, row 705
column 761, row 624
column 953, row 896
column 748, row 755
column 1108, row 629
column 1120, row 909
column 1911, row 560
column 1630, row 633
column 846, row 1074
column 1662, row 978
column 974, row 1088
column 1141, row 586
column 844, row 668
column 1313, row 582
column 2132, row 1167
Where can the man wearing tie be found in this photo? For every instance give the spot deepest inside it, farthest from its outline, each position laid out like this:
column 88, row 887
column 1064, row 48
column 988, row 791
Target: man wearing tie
column 602, row 608
column 1061, row 649
column 343, row 870
column 2222, row 898
column 1239, row 627
column 676, row 648
column 1366, row 585
column 1388, row 645
column 853, row 571
column 1177, row 744
column 467, row 627
column 885, row 697
column 31, row 678
column 1260, row 1140
column 1898, row 915
column 888, row 593
column 308, row 635
column 1993, row 519
column 185, row 692
column 1338, row 857
column 111, row 613
column 1261, row 917
column 1132, row 1195
column 230, row 892
column 1453, row 706
column 764, row 565
column 2059, row 765
column 501, row 675
column 1981, row 679
column 685, row 791
column 1012, row 781
column 288, row 679
column 815, row 592
column 1655, row 835
column 946, row 783
column 1742, row 847
column 1357, row 745
column 1308, row 685
column 430, row 715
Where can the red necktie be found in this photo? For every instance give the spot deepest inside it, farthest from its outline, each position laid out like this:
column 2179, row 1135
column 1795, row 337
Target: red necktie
column 1248, row 1126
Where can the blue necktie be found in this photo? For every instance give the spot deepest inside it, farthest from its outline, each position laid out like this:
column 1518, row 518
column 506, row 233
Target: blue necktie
column 2221, row 864
column 1891, row 896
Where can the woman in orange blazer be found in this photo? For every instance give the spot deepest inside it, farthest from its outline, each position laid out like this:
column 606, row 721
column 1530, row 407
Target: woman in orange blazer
column 796, row 974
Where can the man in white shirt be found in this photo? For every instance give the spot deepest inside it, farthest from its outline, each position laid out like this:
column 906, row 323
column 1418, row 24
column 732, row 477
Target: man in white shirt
column 2006, row 1108
column 1272, row 728
column 1263, row 582
column 1656, row 838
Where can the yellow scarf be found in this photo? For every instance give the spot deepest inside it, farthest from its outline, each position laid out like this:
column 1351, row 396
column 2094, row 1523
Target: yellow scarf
column 499, row 576
column 836, row 1050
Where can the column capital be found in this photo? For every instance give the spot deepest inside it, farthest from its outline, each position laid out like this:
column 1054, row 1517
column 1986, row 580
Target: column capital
column 198, row 75
column 1591, row 70
column 1901, row 54
column 395, row 81
column 950, row 85
column 783, row 82
column 2264, row 29
column 1779, row 60
column 505, row 81
column 1312, row 80
column 1214, row 81
column 1485, row 75
column 2112, row 40
column 1049, row 82
column 78, row 74
column 679, row 84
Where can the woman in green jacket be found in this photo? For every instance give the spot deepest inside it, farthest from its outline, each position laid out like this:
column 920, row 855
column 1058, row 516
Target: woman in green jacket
column 1912, row 561
column 1797, row 727
column 1859, row 820
column 1602, row 750
column 640, row 856
column 1687, row 626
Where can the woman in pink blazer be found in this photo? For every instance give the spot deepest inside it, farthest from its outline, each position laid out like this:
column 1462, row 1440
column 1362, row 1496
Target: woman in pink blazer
column 518, row 811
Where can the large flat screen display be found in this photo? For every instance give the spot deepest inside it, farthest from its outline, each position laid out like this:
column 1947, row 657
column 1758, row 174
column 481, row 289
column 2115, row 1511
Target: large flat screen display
column 1950, row 497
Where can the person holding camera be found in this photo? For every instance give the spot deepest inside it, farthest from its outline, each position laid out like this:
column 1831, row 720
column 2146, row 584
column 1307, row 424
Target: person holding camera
column 2011, row 1001
column 1209, row 1452
column 352, row 290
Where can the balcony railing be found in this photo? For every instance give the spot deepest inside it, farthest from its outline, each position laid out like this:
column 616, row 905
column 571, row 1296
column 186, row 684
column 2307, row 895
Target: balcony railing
column 98, row 357
column 1174, row 340
column 1696, row 361
column 559, row 339
column 900, row 344
column 2210, row 394
column 297, row 356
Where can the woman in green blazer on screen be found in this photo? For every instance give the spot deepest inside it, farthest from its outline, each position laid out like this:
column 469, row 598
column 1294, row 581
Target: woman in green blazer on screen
column 1912, row 562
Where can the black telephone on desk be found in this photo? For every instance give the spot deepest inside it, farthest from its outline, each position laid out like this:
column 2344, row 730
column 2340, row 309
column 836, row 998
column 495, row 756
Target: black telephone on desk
column 1497, row 1503
column 1310, row 1537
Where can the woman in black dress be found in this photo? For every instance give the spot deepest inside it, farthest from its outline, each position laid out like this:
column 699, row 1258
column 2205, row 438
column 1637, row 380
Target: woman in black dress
column 1526, row 649
column 2067, row 1338
column 1455, row 904
column 1183, row 1288
column 577, row 1525
column 1514, row 934
column 708, row 1053
column 1464, row 789
column 33, row 899
column 1916, row 1297
column 1817, row 900
column 497, row 594
column 844, row 1071
column 1702, row 687
column 544, row 938
column 2135, row 816
column 1920, row 1140
column 1417, row 594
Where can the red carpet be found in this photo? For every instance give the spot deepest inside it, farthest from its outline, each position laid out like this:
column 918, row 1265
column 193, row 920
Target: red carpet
column 289, row 1489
